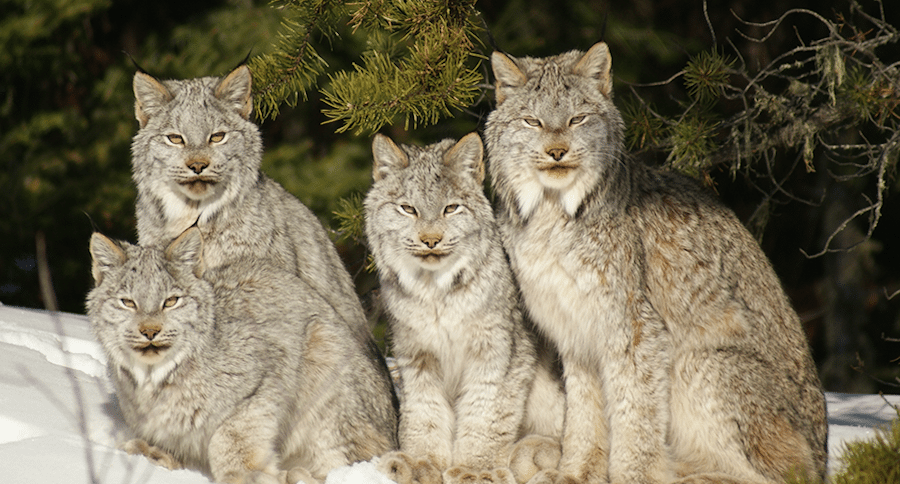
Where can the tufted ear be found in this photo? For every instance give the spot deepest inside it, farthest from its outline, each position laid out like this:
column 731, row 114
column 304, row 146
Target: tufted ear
column 467, row 155
column 597, row 64
column 388, row 157
column 149, row 96
column 105, row 254
column 187, row 248
column 507, row 75
column 236, row 89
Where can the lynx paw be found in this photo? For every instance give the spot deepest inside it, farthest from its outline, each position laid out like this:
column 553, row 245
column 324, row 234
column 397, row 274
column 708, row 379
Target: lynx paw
column 257, row 477
column 532, row 454
column 552, row 476
column 462, row 475
column 153, row 453
column 299, row 475
column 404, row 469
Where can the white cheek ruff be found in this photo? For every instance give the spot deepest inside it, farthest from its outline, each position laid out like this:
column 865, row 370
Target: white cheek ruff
column 414, row 277
column 528, row 195
column 153, row 375
column 571, row 199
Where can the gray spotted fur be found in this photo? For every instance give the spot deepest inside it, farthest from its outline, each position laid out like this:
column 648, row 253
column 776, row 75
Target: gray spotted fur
column 252, row 378
column 472, row 384
column 683, row 358
column 215, row 183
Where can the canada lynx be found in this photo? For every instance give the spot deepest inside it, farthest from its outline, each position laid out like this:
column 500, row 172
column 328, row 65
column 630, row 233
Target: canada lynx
column 253, row 378
column 196, row 159
column 467, row 361
column 683, row 359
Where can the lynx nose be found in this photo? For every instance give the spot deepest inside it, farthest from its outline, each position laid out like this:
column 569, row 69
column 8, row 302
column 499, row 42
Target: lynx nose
column 431, row 240
column 557, row 153
column 150, row 330
column 197, row 165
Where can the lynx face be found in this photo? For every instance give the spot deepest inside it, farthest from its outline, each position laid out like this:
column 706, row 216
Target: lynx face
column 424, row 213
column 555, row 125
column 147, row 308
column 194, row 136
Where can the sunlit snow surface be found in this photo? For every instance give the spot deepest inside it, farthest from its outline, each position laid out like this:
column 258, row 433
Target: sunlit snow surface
column 58, row 419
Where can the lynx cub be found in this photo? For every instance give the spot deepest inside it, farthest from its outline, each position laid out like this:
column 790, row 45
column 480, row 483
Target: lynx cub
column 467, row 362
column 682, row 356
column 196, row 158
column 251, row 379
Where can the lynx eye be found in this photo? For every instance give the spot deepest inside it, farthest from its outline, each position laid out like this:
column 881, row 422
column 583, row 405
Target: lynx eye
column 451, row 209
column 171, row 302
column 217, row 137
column 576, row 120
column 409, row 209
column 175, row 139
column 534, row 123
column 128, row 303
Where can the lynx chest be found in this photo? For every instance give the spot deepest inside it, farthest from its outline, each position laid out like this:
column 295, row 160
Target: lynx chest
column 575, row 280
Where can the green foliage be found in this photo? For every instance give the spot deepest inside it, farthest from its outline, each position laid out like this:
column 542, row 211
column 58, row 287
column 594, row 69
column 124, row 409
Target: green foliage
column 28, row 30
column 319, row 180
column 427, row 86
column 874, row 461
column 644, row 128
column 707, row 75
column 692, row 142
column 293, row 68
column 350, row 217
column 418, row 63
column 66, row 121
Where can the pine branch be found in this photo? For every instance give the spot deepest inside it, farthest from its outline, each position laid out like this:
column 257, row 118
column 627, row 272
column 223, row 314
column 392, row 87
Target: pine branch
column 287, row 74
column 421, row 69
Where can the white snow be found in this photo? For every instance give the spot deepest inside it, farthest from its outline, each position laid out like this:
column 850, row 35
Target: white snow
column 58, row 419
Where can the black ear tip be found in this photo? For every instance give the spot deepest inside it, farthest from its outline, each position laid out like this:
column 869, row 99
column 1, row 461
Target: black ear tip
column 135, row 64
column 243, row 61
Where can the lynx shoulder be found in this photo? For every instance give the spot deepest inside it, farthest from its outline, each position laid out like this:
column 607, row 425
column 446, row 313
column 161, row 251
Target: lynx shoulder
column 471, row 379
column 196, row 160
column 241, row 378
column 675, row 335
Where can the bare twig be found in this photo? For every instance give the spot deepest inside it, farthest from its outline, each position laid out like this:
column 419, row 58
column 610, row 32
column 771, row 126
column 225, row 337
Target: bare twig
column 49, row 296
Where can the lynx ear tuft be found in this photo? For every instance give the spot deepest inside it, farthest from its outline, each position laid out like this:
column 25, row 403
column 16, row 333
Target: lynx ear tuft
column 149, row 96
column 105, row 254
column 187, row 248
column 597, row 64
column 388, row 157
column 467, row 155
column 236, row 89
column 507, row 75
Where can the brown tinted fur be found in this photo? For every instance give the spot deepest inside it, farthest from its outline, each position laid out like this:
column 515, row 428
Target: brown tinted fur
column 681, row 352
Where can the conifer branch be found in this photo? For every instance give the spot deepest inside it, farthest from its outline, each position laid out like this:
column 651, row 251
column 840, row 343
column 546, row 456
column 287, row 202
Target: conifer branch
column 420, row 65
column 422, row 72
column 287, row 74
column 833, row 84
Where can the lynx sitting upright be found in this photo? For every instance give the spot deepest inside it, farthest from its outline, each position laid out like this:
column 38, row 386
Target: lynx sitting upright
column 472, row 382
column 682, row 356
column 196, row 160
column 253, row 378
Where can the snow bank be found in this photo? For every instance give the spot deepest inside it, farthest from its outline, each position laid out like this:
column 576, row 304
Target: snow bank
column 58, row 422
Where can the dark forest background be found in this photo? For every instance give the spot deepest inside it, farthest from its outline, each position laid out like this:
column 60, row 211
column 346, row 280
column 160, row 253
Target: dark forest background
column 66, row 121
